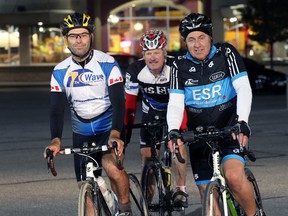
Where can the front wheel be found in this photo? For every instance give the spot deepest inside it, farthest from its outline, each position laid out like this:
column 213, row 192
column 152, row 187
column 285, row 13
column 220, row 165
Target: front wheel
column 213, row 200
column 87, row 202
column 138, row 202
column 152, row 185
column 257, row 195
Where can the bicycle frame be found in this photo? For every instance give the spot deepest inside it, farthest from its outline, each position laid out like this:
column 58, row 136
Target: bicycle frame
column 217, row 176
column 211, row 136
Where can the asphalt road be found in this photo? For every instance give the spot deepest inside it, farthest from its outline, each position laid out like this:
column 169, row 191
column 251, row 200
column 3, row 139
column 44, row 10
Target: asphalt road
column 27, row 189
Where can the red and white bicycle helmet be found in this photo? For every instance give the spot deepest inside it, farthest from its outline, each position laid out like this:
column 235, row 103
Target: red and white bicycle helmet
column 153, row 39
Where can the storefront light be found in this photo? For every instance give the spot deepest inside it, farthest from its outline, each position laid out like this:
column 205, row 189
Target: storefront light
column 125, row 44
column 138, row 26
column 113, row 19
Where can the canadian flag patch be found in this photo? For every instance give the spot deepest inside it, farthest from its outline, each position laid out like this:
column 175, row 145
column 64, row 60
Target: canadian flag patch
column 55, row 88
column 115, row 80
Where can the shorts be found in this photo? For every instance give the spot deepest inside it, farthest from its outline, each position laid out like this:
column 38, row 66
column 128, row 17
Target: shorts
column 79, row 163
column 201, row 159
column 145, row 134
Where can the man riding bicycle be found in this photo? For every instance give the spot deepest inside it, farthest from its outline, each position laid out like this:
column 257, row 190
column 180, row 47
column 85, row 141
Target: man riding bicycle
column 211, row 82
column 93, row 85
column 151, row 76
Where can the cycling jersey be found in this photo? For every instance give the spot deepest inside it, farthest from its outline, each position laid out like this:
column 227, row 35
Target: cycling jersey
column 215, row 91
column 89, row 94
column 154, row 89
column 155, row 95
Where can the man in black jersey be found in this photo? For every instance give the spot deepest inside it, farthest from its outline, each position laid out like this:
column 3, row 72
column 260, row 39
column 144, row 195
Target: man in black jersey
column 151, row 76
column 211, row 83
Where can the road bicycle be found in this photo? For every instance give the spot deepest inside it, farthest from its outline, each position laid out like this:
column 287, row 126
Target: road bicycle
column 92, row 192
column 218, row 196
column 156, row 178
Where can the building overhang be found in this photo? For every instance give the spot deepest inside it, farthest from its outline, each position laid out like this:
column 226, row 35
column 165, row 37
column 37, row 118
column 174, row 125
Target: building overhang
column 33, row 17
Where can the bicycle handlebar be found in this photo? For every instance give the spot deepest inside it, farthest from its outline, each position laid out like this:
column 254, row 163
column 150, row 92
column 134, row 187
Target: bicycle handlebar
column 212, row 133
column 84, row 150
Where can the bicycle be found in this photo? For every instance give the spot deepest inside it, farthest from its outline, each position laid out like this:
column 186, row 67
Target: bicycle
column 218, row 195
column 160, row 197
column 92, row 192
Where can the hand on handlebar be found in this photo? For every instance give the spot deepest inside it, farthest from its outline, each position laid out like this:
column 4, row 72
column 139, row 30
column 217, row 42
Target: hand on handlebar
column 174, row 143
column 244, row 133
column 54, row 147
column 120, row 144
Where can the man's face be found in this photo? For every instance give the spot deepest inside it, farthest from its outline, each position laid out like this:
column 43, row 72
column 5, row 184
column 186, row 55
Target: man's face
column 198, row 44
column 154, row 59
column 79, row 40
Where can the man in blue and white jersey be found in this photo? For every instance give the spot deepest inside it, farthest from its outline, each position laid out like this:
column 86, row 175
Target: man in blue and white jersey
column 93, row 85
column 211, row 83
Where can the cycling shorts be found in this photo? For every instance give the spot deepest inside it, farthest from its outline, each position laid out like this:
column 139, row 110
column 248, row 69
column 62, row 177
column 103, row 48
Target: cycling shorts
column 201, row 159
column 145, row 134
column 79, row 161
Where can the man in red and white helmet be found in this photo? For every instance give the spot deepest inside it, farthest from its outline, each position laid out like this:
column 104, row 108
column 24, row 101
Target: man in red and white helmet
column 151, row 76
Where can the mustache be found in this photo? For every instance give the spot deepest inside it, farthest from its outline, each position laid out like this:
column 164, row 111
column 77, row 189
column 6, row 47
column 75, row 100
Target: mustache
column 153, row 61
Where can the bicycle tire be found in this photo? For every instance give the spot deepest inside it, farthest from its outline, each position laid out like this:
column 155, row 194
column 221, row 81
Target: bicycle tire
column 86, row 192
column 154, row 196
column 99, row 208
column 257, row 195
column 138, row 202
column 212, row 197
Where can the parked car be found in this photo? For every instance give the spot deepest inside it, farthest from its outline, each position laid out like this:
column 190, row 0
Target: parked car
column 265, row 80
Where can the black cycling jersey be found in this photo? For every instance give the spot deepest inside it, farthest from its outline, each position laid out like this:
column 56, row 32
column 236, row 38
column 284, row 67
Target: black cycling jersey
column 210, row 98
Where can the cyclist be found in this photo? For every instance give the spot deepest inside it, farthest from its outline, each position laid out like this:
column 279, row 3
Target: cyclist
column 93, row 85
column 212, row 84
column 151, row 76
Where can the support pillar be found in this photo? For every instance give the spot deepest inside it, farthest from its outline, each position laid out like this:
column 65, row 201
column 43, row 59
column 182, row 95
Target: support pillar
column 24, row 45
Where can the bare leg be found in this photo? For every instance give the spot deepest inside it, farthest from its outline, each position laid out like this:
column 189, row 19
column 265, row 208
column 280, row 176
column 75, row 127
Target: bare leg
column 240, row 186
column 180, row 168
column 118, row 178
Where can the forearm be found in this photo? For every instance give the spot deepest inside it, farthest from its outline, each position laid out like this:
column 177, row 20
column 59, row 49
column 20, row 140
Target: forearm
column 244, row 98
column 175, row 111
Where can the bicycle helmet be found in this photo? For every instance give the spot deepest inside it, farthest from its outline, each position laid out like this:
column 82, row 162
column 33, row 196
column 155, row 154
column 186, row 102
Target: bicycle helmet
column 195, row 22
column 153, row 39
column 77, row 20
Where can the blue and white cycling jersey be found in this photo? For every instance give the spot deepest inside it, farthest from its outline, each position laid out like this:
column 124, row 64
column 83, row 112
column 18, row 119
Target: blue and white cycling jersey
column 210, row 87
column 87, row 91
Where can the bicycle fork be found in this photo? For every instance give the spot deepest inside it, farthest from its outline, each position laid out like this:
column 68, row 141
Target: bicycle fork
column 217, row 176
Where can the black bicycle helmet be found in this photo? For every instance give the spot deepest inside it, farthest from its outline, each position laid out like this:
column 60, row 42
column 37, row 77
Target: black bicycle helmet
column 195, row 22
column 77, row 20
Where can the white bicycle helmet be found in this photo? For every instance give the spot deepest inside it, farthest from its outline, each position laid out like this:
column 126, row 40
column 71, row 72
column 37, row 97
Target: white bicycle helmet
column 153, row 39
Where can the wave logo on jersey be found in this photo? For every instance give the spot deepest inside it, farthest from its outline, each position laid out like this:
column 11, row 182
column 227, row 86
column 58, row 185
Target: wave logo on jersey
column 90, row 78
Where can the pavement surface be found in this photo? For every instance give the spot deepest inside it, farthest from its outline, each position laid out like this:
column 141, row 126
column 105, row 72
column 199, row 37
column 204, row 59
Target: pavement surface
column 27, row 189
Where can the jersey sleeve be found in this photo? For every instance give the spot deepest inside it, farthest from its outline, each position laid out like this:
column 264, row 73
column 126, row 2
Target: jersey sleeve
column 175, row 109
column 131, row 83
column 240, row 82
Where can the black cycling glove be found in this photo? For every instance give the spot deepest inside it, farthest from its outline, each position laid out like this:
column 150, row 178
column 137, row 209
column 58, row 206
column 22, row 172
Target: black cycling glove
column 244, row 128
column 173, row 134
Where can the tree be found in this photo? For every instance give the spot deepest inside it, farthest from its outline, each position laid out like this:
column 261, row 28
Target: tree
column 268, row 19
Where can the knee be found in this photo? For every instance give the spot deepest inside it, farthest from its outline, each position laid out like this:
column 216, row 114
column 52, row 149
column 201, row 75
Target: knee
column 234, row 180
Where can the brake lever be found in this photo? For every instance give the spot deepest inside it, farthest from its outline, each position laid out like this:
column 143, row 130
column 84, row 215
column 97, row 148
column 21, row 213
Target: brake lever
column 118, row 160
column 177, row 154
